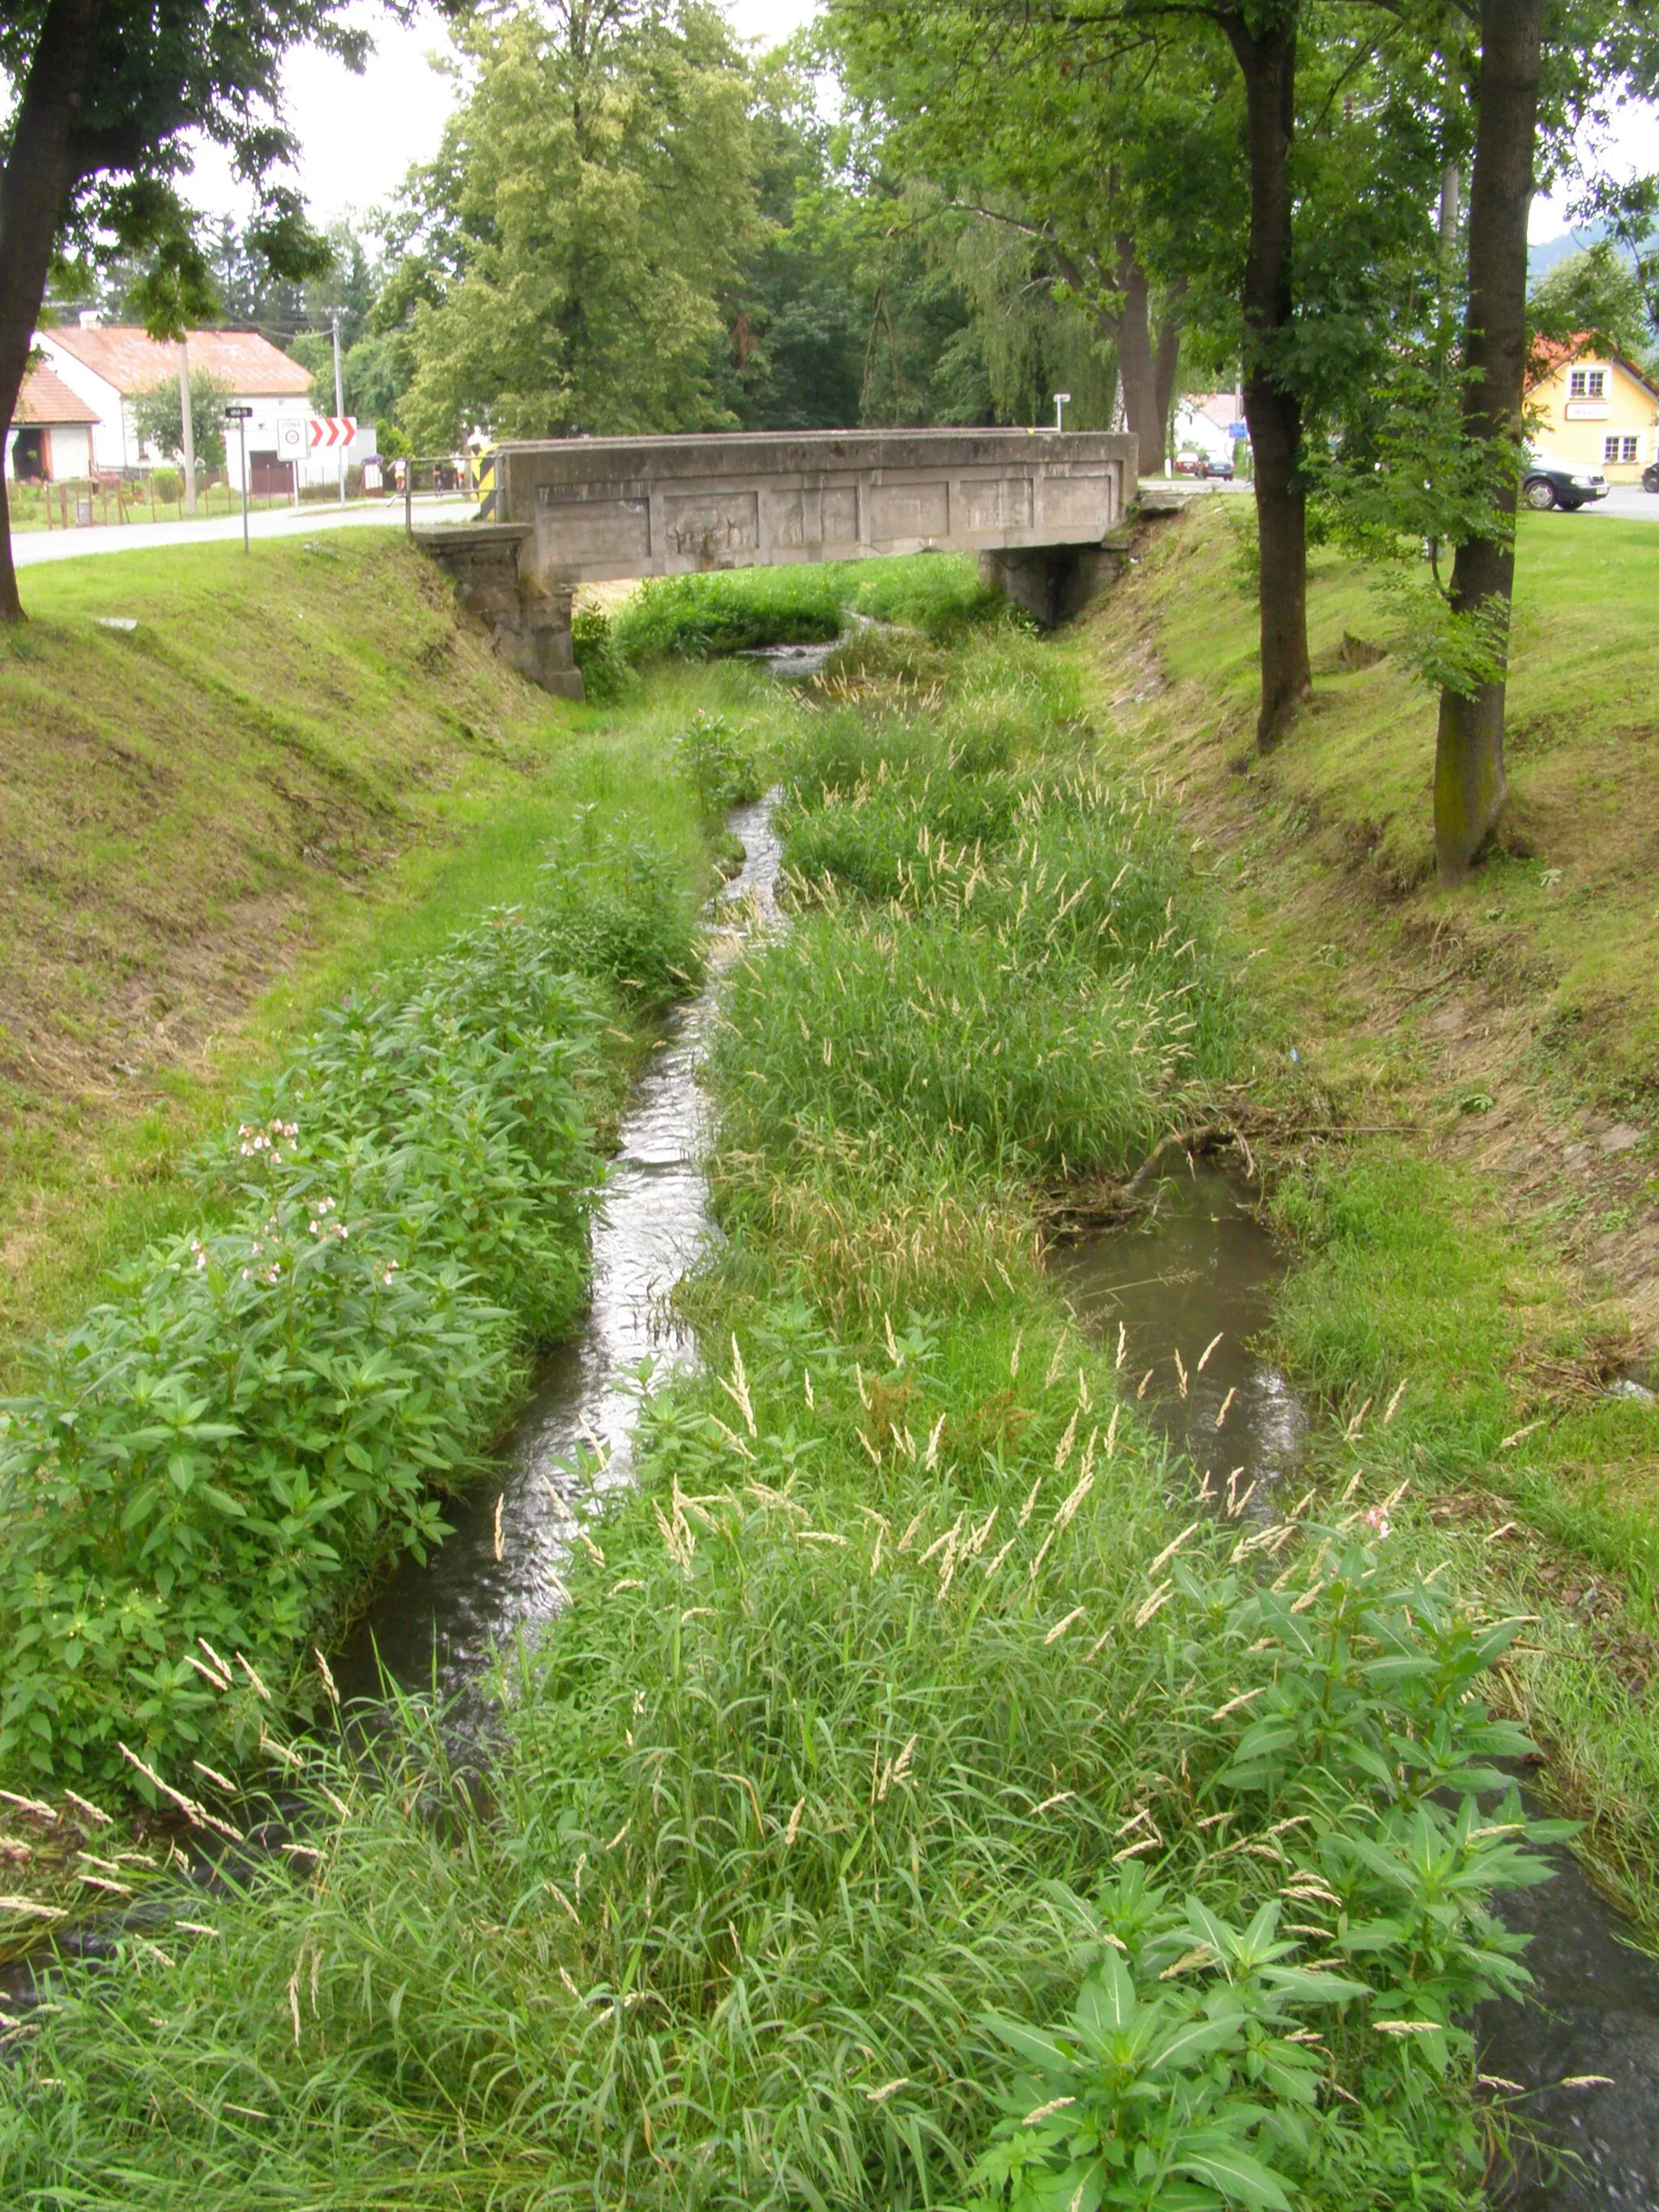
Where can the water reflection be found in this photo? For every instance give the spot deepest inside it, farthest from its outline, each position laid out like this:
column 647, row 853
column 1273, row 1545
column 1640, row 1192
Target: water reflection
column 1203, row 1267
column 1182, row 1294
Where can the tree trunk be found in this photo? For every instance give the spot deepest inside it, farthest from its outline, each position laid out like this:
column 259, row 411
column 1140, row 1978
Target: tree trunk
column 1469, row 783
column 1166, row 355
column 35, row 188
column 1272, row 408
column 1134, row 357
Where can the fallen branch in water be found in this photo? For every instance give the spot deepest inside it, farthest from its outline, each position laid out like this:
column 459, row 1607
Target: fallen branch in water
column 1193, row 1142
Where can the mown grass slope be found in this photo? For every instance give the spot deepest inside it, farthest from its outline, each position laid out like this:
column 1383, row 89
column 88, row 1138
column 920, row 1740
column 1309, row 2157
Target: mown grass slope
column 189, row 808
column 1566, row 907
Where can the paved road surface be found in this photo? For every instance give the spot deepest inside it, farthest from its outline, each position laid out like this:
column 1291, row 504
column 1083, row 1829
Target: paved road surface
column 1628, row 501
column 30, row 546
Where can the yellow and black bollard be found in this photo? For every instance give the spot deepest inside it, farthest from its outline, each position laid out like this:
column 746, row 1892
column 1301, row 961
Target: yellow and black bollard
column 483, row 484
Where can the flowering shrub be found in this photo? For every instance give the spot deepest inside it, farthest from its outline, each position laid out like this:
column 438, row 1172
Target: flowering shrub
column 260, row 1414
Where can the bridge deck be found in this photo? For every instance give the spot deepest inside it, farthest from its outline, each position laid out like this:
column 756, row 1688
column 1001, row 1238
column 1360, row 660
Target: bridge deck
column 602, row 508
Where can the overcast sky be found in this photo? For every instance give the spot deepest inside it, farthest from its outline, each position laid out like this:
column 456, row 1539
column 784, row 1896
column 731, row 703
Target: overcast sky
column 358, row 135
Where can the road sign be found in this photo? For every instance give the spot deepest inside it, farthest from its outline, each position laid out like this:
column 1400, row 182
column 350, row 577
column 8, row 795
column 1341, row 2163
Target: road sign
column 1237, row 430
column 332, row 430
column 239, row 413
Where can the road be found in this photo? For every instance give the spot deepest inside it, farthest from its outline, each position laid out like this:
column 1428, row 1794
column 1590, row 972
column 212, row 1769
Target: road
column 30, row 547
column 1628, row 501
column 1625, row 502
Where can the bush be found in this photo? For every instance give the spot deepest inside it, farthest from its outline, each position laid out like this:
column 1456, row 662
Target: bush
column 257, row 1419
column 617, row 912
column 168, row 485
column 691, row 617
column 718, row 763
column 606, row 676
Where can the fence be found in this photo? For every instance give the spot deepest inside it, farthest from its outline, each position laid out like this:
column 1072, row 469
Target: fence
column 428, row 478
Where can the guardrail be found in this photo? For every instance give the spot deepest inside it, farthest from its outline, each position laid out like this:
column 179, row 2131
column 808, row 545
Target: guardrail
column 433, row 477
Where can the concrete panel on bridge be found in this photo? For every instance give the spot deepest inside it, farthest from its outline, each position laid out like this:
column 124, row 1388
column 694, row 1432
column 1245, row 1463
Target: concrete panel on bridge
column 603, row 507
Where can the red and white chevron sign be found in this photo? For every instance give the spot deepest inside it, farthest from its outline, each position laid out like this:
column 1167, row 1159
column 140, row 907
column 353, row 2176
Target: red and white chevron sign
column 332, row 430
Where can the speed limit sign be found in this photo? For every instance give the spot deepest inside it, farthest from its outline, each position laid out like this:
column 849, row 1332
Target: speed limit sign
column 291, row 437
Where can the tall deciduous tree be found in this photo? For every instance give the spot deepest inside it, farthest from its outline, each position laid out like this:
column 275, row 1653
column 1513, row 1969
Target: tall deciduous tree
column 594, row 196
column 1166, row 77
column 1035, row 133
column 104, row 97
column 1469, row 782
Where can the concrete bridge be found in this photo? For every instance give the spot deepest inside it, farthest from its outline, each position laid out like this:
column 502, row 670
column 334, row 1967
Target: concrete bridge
column 1031, row 503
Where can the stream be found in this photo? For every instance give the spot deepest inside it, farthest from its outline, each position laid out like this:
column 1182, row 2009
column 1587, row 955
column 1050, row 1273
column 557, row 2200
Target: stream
column 1204, row 1269
column 438, row 1627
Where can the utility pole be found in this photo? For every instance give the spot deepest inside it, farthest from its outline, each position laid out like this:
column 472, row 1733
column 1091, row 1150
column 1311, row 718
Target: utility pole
column 238, row 416
column 190, row 427
column 339, row 395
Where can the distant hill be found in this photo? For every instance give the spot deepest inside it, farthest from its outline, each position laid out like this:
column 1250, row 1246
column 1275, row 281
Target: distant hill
column 1542, row 258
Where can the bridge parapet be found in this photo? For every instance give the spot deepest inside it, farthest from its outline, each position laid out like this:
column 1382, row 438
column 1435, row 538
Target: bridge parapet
column 573, row 511
column 605, row 507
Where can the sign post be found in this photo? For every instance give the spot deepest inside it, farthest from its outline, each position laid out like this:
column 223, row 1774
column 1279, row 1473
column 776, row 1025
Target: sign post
column 240, row 416
column 292, row 432
column 1062, row 400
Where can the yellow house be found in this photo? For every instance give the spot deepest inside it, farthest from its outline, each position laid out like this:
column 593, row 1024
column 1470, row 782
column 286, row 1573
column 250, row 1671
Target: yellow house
column 1593, row 409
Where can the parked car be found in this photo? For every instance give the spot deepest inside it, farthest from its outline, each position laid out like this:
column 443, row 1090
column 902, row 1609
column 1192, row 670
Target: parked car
column 1202, row 465
column 1550, row 482
column 1650, row 477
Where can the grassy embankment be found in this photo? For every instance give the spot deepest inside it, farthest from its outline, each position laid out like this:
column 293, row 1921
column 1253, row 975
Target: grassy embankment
column 1503, row 1251
column 900, row 1693
column 306, row 1327
column 296, row 769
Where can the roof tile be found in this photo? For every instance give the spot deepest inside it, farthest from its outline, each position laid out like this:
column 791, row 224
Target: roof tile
column 246, row 363
column 46, row 398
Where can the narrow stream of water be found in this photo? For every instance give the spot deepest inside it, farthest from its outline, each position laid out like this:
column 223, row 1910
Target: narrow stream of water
column 1205, row 1269
column 438, row 1626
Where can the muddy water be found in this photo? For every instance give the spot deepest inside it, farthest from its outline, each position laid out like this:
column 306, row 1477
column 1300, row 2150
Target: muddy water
column 1206, row 1268
column 1180, row 1299
column 438, row 1626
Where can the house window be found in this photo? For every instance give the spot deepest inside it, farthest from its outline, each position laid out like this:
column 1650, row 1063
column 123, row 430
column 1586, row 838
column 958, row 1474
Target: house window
column 1586, row 384
column 1633, row 446
column 1610, row 449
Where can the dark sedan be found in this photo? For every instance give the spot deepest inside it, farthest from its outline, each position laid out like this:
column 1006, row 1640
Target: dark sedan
column 1558, row 484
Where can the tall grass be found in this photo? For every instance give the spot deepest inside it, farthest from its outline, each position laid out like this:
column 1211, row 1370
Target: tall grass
column 998, row 963
column 886, row 1672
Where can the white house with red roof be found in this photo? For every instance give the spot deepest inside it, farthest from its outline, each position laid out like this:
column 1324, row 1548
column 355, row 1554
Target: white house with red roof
column 50, row 439
column 105, row 367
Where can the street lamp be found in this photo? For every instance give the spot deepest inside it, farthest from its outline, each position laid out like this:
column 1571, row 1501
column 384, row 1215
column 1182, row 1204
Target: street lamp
column 238, row 416
column 1062, row 400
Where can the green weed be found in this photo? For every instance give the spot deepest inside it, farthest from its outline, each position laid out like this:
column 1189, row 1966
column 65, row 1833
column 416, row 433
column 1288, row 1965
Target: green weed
column 691, row 617
column 862, row 1705
column 259, row 1417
